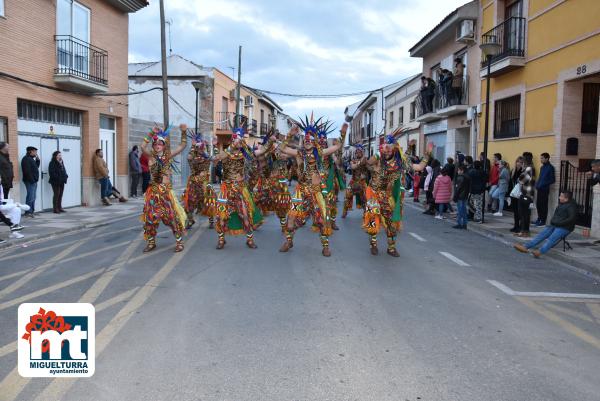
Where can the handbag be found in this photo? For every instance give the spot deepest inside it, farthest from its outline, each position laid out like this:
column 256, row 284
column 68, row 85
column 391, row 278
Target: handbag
column 516, row 191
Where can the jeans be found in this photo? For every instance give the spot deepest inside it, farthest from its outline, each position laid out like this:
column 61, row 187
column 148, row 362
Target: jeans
column 135, row 180
column 105, row 187
column 553, row 236
column 31, row 188
column 496, row 193
column 58, row 191
column 477, row 200
column 490, row 202
column 461, row 216
column 442, row 207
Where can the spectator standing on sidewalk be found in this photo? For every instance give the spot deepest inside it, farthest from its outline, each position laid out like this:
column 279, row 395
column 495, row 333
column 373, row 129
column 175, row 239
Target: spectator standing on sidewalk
column 442, row 193
column 502, row 188
column 545, row 180
column 6, row 169
column 101, row 173
column 478, row 183
column 525, row 203
column 58, row 179
column 145, row 172
column 515, row 194
column 528, row 166
column 493, row 182
column 462, row 189
column 561, row 225
column 450, row 167
column 135, row 170
column 30, row 165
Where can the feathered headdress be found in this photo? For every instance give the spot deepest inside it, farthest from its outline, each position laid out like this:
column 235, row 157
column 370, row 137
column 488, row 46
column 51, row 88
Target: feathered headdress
column 310, row 127
column 157, row 134
column 324, row 130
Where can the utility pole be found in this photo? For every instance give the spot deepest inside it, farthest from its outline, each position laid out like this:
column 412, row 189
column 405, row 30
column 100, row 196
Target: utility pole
column 163, row 56
column 238, row 90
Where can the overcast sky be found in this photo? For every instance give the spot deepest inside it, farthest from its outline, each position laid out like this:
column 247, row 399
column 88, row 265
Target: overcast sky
column 308, row 46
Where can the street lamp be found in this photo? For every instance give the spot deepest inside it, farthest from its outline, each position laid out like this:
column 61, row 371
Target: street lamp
column 489, row 47
column 197, row 85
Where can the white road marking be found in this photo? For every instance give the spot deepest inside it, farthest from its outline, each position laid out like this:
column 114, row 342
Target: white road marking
column 454, row 259
column 57, row 389
column 508, row 291
column 418, row 237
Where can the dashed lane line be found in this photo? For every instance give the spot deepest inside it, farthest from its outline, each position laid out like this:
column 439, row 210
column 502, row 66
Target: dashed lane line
column 58, row 388
column 418, row 237
column 507, row 290
column 454, row 259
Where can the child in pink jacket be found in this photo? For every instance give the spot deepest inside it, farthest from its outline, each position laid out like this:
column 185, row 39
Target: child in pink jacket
column 442, row 192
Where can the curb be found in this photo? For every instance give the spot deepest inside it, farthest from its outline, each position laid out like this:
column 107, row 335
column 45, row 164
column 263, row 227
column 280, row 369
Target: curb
column 569, row 262
column 35, row 238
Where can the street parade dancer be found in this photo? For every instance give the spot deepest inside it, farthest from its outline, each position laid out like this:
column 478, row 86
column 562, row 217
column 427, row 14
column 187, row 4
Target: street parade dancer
column 385, row 193
column 276, row 192
column 358, row 183
column 160, row 202
column 236, row 211
column 199, row 196
column 308, row 199
column 260, row 184
column 333, row 178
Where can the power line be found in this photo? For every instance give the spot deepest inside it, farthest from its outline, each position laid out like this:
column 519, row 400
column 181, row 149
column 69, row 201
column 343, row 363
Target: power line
column 102, row 94
column 324, row 96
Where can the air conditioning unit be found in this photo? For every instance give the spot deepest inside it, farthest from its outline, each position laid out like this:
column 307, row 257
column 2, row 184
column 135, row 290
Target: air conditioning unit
column 466, row 31
column 232, row 94
column 249, row 101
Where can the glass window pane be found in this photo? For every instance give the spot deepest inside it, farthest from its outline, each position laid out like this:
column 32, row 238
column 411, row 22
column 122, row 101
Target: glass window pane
column 81, row 22
column 63, row 17
column 3, row 127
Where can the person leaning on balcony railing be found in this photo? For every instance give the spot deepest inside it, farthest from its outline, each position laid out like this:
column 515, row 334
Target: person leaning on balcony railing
column 457, row 81
column 595, row 172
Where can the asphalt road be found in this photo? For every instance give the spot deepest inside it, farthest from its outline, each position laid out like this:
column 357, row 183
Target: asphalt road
column 243, row 324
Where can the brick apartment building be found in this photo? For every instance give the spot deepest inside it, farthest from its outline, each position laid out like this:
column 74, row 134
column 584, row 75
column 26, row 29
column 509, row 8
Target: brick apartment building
column 76, row 46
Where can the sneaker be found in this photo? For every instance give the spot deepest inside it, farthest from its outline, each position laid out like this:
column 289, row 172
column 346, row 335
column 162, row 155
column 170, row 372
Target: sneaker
column 16, row 235
column 498, row 214
column 458, row 227
column 30, row 215
column 539, row 224
column 536, row 254
column 16, row 227
column 439, row 217
column 2, row 241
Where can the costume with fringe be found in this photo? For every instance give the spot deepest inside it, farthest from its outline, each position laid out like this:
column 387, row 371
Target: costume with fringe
column 199, row 196
column 235, row 200
column 385, row 198
column 160, row 201
column 357, row 187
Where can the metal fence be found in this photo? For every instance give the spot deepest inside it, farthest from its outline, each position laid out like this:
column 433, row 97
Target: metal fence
column 510, row 35
column 580, row 183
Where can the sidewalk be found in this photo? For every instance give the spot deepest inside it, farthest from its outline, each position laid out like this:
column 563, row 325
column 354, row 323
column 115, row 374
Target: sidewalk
column 47, row 224
column 584, row 256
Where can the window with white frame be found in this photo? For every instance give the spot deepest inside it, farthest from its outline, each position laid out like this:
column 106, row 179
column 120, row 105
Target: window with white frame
column 2, row 8
column 401, row 116
column 3, row 126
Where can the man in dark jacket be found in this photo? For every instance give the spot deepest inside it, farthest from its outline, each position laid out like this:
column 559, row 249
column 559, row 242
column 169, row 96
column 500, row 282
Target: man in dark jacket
column 478, row 183
column 6, row 169
column 135, row 170
column 30, row 165
column 462, row 189
column 561, row 225
column 545, row 180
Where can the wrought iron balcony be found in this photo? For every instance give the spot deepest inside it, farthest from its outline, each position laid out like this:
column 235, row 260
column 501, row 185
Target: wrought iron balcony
column 80, row 65
column 224, row 118
column 511, row 37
